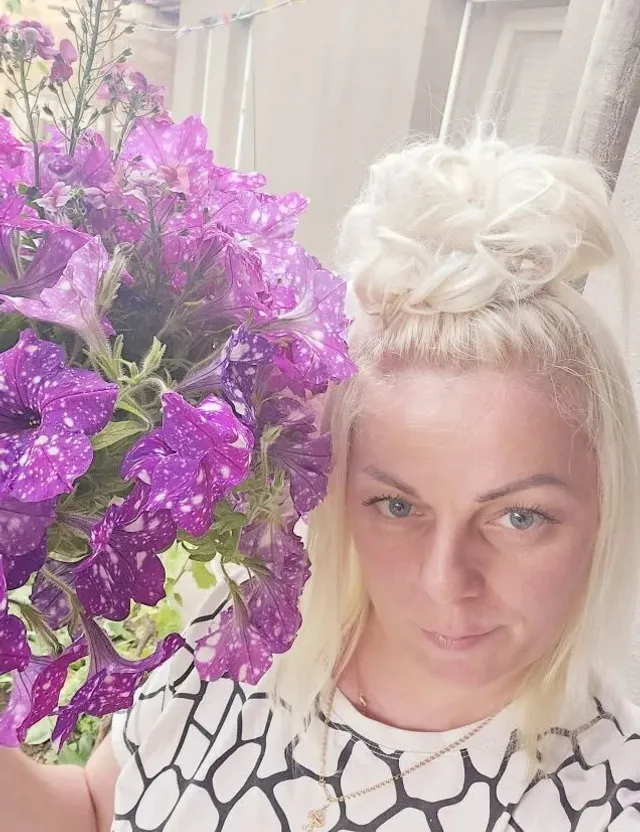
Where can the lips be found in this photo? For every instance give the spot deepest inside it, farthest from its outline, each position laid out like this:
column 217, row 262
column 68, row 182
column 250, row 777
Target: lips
column 447, row 641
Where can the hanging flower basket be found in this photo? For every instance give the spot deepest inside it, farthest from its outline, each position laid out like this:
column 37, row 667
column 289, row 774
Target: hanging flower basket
column 162, row 338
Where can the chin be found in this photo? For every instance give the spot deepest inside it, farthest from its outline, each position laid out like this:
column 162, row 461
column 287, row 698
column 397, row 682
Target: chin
column 473, row 661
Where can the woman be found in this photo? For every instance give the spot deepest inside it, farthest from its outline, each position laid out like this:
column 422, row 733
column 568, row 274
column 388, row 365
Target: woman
column 474, row 565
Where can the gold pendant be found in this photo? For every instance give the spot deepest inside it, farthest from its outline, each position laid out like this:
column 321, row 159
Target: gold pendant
column 316, row 819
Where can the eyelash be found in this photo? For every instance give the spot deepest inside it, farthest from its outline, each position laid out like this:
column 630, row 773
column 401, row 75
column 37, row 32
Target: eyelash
column 521, row 509
column 385, row 498
column 515, row 509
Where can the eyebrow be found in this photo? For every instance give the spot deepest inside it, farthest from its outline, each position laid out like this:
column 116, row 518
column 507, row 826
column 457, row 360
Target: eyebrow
column 388, row 479
column 535, row 481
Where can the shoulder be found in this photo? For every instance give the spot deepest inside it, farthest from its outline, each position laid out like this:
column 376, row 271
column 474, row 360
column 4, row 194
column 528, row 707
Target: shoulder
column 594, row 777
column 609, row 741
column 615, row 742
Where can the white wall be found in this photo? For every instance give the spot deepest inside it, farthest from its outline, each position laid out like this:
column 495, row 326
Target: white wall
column 605, row 294
column 335, row 86
column 337, row 82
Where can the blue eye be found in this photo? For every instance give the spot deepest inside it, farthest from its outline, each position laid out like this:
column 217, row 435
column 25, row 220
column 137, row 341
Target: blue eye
column 393, row 507
column 524, row 519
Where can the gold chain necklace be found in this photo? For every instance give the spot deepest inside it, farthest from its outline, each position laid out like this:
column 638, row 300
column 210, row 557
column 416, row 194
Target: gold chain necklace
column 317, row 818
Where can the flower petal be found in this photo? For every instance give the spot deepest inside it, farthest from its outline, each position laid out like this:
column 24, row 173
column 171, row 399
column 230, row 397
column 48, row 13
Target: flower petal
column 35, row 693
column 14, row 647
column 22, row 525
column 233, row 647
column 71, row 301
column 51, row 465
column 19, row 568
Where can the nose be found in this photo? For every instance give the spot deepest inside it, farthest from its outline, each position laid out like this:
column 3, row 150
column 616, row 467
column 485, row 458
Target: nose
column 451, row 569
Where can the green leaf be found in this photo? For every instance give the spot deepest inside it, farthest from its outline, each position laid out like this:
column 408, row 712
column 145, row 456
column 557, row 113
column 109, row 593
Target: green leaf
column 68, row 756
column 116, row 629
column 126, row 403
column 66, row 543
column 115, row 432
column 204, row 554
column 202, row 576
column 153, row 359
column 85, row 747
column 167, row 620
column 227, row 519
column 174, row 560
column 41, row 731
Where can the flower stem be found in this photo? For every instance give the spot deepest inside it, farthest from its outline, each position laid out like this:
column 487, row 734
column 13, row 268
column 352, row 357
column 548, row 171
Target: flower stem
column 33, row 132
column 37, row 623
column 63, row 587
column 126, row 128
column 76, row 125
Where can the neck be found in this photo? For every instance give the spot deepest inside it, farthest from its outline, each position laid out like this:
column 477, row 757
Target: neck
column 400, row 691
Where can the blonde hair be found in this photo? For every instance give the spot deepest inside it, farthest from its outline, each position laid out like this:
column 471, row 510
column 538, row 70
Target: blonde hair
column 466, row 257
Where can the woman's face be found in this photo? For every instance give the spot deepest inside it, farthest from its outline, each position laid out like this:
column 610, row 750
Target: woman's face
column 473, row 505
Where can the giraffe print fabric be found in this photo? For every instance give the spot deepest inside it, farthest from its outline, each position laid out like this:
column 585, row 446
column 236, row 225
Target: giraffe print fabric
column 215, row 757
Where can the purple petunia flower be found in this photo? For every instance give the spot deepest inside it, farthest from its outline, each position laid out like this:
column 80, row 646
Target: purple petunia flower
column 38, row 38
column 189, row 464
column 228, row 278
column 234, row 647
column 26, row 272
column 22, row 525
column 264, row 617
column 14, row 647
column 174, row 154
column 47, row 413
column 272, row 539
column 124, row 563
column 35, row 693
column 90, row 167
column 234, row 372
column 273, row 595
column 70, row 301
column 18, row 567
column 112, row 680
column 273, row 607
column 49, row 599
column 62, row 68
column 299, row 450
column 314, row 325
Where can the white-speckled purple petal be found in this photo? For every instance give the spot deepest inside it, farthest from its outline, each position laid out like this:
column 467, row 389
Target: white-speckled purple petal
column 233, row 647
column 14, row 647
column 19, row 568
column 71, row 301
column 273, row 609
column 112, row 680
column 22, row 525
column 308, row 462
column 46, row 410
column 124, row 565
column 51, row 465
column 35, row 693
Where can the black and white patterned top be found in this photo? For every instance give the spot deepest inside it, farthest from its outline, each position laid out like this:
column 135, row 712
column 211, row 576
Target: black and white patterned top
column 215, row 757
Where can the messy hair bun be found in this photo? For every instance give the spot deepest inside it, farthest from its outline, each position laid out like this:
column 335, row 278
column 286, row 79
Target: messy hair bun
column 445, row 230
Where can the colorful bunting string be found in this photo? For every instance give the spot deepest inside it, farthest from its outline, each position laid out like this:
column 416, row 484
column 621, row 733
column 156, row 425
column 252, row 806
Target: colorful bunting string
column 218, row 20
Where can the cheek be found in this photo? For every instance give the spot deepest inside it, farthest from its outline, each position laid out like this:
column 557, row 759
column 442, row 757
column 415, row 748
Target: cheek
column 545, row 589
column 389, row 552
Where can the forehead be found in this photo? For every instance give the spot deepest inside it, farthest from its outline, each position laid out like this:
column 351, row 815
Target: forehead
column 508, row 424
